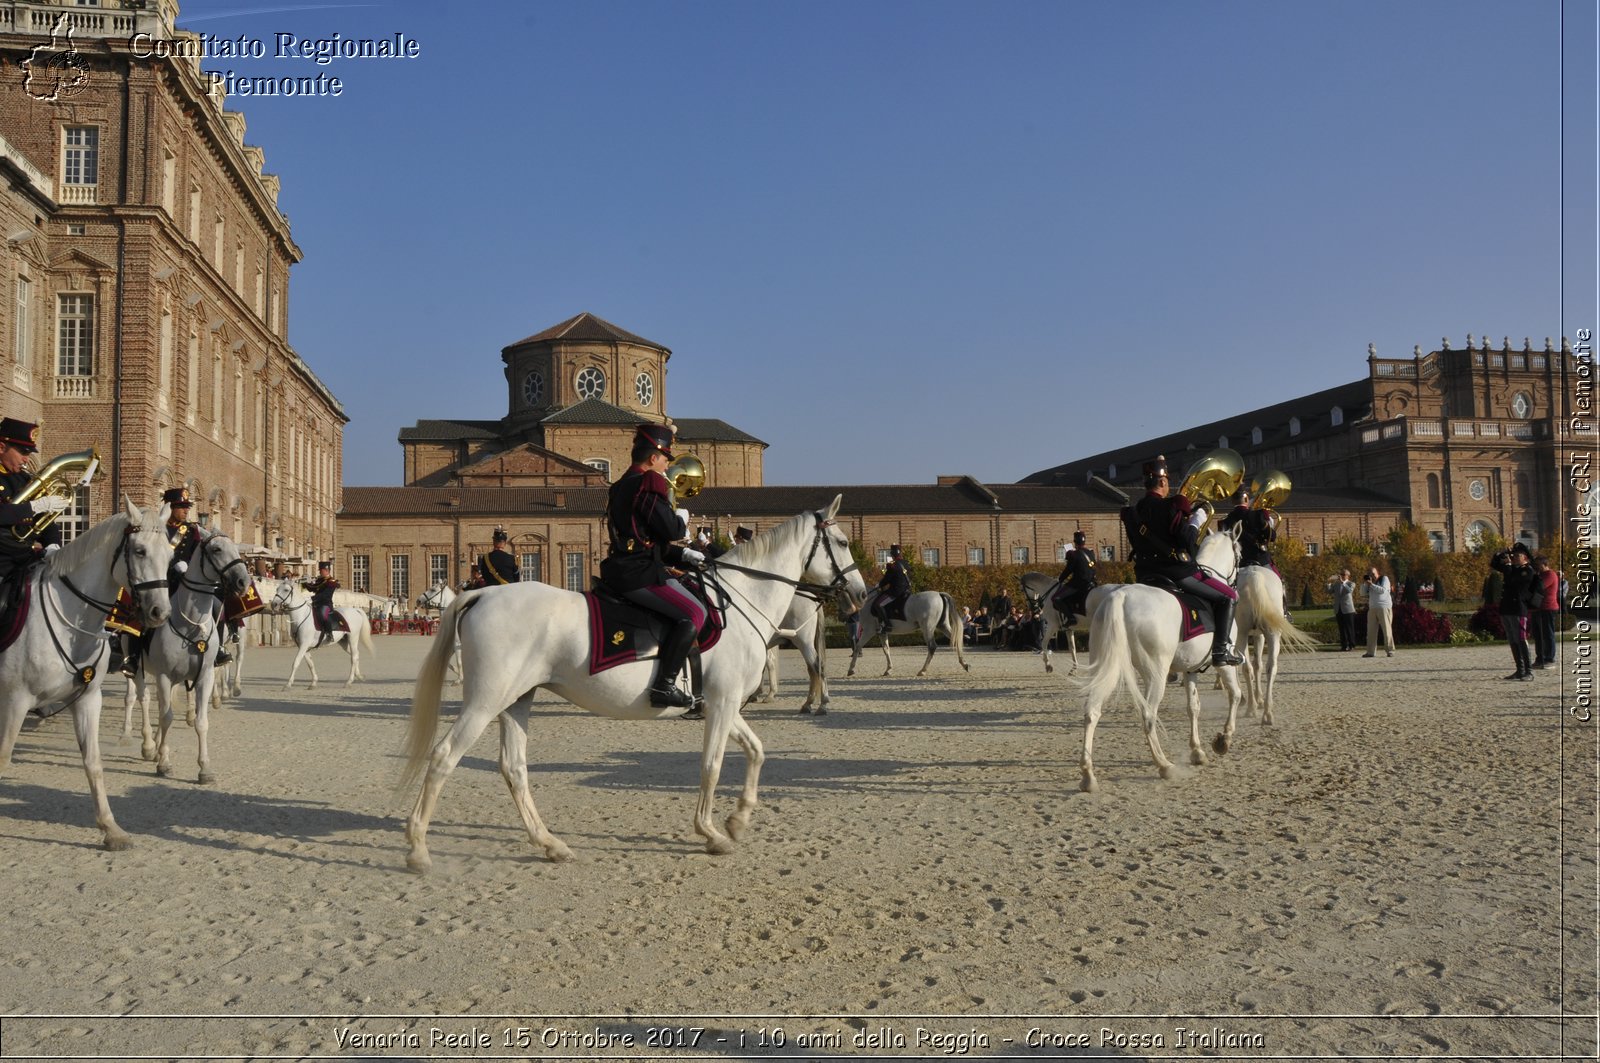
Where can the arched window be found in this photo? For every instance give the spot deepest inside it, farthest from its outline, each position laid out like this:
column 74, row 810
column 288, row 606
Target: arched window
column 1294, row 426
column 1433, row 491
column 1336, row 416
column 1477, row 530
column 1255, row 436
column 1222, row 441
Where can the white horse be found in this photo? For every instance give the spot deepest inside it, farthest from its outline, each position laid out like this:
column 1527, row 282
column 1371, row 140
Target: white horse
column 61, row 653
column 438, row 597
column 803, row 628
column 521, row 637
column 1134, row 637
column 1262, row 628
column 929, row 612
column 291, row 598
column 184, row 650
column 1039, row 589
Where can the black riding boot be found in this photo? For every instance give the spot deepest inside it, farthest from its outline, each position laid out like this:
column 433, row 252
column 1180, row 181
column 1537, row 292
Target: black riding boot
column 132, row 653
column 1222, row 652
column 674, row 652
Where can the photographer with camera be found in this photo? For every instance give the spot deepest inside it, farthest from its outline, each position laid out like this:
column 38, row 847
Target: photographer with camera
column 1380, row 611
column 1518, row 588
column 1343, row 589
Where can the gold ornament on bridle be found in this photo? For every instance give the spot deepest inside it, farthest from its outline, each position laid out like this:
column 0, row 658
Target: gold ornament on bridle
column 686, row 477
column 1214, row 478
column 1270, row 490
column 62, row 476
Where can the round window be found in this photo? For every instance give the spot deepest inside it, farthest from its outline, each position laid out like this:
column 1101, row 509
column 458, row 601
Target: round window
column 1521, row 405
column 644, row 388
column 533, row 388
column 1478, row 490
column 591, row 383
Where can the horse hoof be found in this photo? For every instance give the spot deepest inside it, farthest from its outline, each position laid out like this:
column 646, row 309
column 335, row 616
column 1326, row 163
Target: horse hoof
column 207, row 778
column 965, row 666
column 1049, row 668
column 163, row 770
column 1197, row 758
column 557, row 852
column 1220, row 744
column 418, row 863
column 147, row 752
column 719, row 846
column 116, row 843
column 822, row 710
column 737, row 825
column 1089, row 785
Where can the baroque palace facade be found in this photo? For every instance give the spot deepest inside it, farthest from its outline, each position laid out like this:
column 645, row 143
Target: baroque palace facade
column 145, row 269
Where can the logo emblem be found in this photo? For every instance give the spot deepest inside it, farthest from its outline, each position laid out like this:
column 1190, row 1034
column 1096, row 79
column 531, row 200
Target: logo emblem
column 200, row 647
column 55, row 71
column 617, row 637
column 86, row 676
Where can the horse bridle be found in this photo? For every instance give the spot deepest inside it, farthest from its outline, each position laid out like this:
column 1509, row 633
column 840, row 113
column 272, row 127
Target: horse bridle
column 817, row 592
column 222, row 571
column 85, row 672
column 137, row 588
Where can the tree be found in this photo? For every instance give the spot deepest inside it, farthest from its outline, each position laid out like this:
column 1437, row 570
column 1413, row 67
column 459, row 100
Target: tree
column 1412, row 552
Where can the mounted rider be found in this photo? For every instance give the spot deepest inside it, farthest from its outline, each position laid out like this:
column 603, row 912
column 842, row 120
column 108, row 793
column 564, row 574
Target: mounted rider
column 499, row 565
column 894, row 588
column 1258, row 530
column 647, row 535
column 322, row 588
column 20, row 545
column 184, row 536
column 1163, row 529
column 1078, row 578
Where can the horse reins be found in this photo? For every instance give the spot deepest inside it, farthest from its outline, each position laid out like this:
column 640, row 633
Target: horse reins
column 817, row 592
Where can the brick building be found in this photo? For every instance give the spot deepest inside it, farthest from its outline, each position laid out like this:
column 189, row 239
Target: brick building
column 1463, row 441
column 146, row 265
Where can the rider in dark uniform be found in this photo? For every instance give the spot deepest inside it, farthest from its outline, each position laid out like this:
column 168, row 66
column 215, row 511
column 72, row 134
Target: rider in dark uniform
column 893, row 588
column 322, row 589
column 1163, row 528
column 498, row 565
column 18, row 441
column 1078, row 578
column 184, row 537
column 1259, row 530
column 646, row 533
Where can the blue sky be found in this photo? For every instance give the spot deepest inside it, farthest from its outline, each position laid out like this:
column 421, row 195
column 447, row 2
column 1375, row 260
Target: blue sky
column 897, row 240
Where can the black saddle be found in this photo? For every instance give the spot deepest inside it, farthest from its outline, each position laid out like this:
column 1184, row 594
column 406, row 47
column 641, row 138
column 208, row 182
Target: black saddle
column 620, row 631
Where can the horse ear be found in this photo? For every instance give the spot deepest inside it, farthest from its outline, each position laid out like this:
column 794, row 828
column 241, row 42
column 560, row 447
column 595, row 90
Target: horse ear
column 135, row 518
column 834, row 508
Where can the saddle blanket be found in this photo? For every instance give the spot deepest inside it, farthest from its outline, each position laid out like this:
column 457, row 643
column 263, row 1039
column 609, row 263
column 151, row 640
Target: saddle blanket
column 893, row 608
column 621, row 632
column 1198, row 619
column 331, row 622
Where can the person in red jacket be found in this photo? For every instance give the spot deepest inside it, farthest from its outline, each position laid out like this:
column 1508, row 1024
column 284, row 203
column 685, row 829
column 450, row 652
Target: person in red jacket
column 1547, row 582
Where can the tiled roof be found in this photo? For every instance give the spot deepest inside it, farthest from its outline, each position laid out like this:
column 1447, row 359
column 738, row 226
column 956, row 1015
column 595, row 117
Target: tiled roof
column 691, row 429
column 443, row 431
column 489, row 460
column 593, row 411
column 413, row 502
column 1314, row 410
column 587, row 327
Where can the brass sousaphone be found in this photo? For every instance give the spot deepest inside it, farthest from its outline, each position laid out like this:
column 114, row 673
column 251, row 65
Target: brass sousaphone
column 1270, row 490
column 62, row 476
column 1214, row 478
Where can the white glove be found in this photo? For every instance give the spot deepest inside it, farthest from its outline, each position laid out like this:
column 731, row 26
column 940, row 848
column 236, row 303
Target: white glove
column 1198, row 518
column 49, row 504
column 693, row 557
column 51, row 548
column 1071, row 547
column 180, row 566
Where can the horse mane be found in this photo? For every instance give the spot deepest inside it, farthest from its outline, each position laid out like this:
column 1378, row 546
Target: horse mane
column 1212, row 545
column 90, row 545
column 774, row 541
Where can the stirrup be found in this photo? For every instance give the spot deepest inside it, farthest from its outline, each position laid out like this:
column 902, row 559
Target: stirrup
column 223, row 657
column 1225, row 657
column 669, row 696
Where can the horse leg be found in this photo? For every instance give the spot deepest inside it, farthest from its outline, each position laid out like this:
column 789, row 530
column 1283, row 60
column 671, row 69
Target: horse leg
column 294, row 669
column 514, row 769
column 235, row 670
column 164, row 696
column 767, row 688
column 447, row 753
column 714, row 747
column 1091, row 717
column 1072, row 648
column 933, row 644
column 1269, row 667
column 754, row 756
column 1197, row 753
column 1047, row 638
column 202, row 719
column 355, row 658
column 1230, row 681
column 888, row 664
column 1156, row 687
column 817, row 692
column 86, row 721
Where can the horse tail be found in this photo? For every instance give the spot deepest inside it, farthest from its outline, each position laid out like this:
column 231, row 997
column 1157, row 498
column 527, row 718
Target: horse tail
column 366, row 635
column 424, row 726
column 952, row 627
column 1110, row 654
column 1269, row 616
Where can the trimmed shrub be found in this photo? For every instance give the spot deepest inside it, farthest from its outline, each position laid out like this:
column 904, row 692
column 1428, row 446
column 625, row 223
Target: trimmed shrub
column 1486, row 622
column 1416, row 625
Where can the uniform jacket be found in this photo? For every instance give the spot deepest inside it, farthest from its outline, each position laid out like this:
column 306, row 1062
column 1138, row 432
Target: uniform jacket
column 1160, row 537
column 14, row 552
column 1517, row 586
column 896, row 581
column 642, row 526
column 498, row 566
column 322, row 589
column 1260, row 529
column 1079, row 572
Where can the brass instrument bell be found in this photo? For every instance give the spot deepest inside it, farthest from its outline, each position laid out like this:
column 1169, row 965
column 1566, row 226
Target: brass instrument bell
column 1214, row 477
column 686, row 477
column 54, row 479
column 1270, row 490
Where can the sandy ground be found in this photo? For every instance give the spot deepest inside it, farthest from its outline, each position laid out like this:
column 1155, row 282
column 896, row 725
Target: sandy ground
column 1404, row 866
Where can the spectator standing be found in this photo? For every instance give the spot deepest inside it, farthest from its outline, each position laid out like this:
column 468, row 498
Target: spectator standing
column 1517, row 592
column 1000, row 609
column 1546, row 607
column 1380, row 612
column 1344, row 607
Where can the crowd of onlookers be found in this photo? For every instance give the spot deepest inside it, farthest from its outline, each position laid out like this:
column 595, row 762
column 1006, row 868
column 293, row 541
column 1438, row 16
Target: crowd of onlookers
column 1003, row 626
